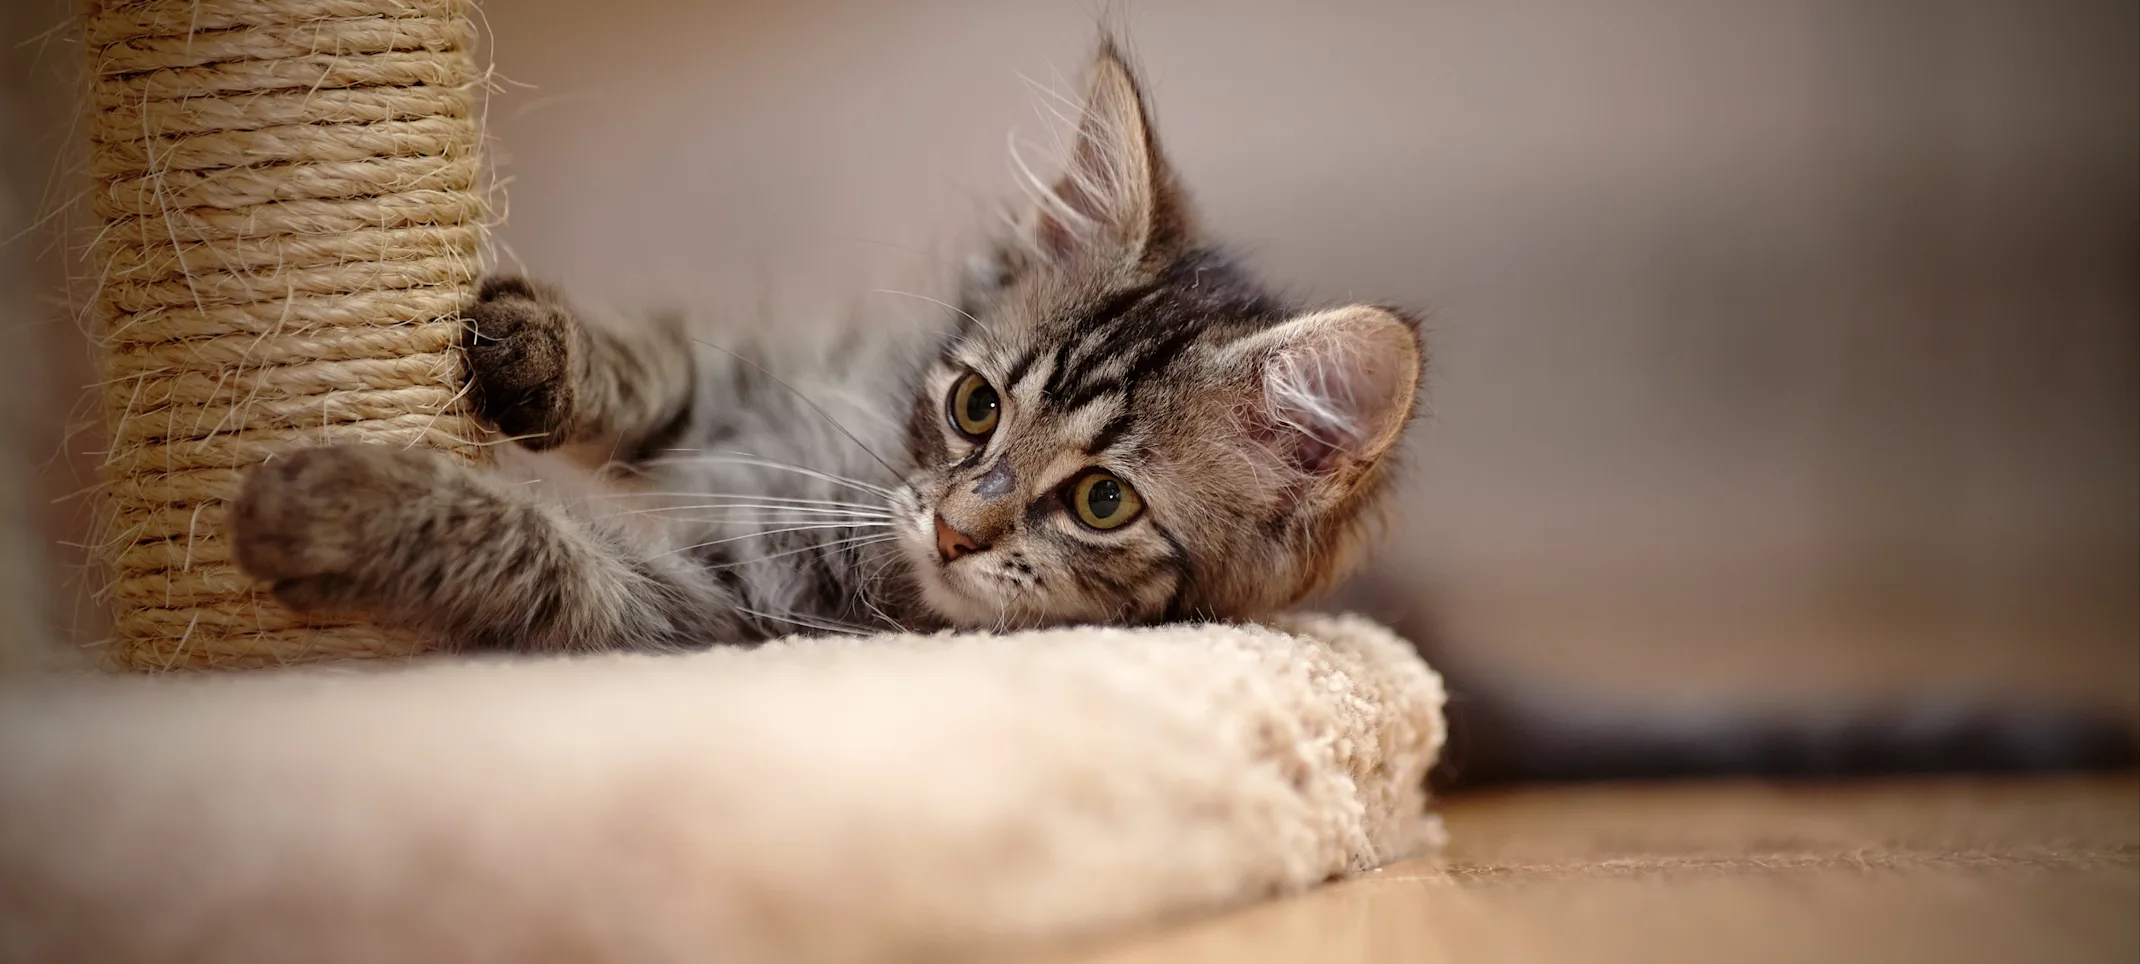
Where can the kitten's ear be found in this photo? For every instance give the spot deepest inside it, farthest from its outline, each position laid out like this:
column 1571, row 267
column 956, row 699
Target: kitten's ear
column 1338, row 388
column 1117, row 201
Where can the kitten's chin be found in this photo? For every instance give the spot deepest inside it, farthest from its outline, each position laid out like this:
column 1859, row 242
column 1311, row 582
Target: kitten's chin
column 954, row 607
column 944, row 592
column 941, row 589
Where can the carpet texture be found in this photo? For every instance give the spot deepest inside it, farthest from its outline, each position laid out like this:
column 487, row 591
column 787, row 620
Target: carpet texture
column 897, row 798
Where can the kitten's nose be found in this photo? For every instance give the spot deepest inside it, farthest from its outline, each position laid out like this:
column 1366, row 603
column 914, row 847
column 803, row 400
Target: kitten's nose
column 951, row 543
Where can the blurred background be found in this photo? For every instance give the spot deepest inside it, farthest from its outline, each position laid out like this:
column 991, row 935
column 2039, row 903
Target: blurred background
column 1781, row 348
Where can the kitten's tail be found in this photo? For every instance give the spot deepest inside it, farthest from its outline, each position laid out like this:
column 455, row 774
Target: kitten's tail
column 1540, row 738
column 1504, row 730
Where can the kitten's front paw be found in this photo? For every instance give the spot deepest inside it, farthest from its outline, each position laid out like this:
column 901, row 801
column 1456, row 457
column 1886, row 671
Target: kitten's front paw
column 323, row 525
column 519, row 338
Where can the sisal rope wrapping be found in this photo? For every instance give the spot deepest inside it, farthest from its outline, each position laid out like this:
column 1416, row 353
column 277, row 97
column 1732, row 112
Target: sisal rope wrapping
column 287, row 192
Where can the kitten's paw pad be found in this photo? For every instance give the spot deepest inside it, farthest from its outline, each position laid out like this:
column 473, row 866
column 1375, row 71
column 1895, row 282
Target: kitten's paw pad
column 322, row 525
column 519, row 338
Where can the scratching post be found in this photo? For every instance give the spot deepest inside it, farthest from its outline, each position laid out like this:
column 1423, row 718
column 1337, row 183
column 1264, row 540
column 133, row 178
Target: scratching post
column 289, row 223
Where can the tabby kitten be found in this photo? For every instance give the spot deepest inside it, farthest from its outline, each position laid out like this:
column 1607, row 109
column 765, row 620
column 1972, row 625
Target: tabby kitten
column 1117, row 425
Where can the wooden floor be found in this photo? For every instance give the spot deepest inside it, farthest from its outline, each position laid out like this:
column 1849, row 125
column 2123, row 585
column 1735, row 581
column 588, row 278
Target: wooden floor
column 1946, row 871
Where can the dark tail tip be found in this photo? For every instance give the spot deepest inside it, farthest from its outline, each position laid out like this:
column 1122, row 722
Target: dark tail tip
column 1958, row 737
column 1570, row 741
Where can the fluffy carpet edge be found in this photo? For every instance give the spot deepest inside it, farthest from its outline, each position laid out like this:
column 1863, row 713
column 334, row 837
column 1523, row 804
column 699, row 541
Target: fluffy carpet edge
column 894, row 798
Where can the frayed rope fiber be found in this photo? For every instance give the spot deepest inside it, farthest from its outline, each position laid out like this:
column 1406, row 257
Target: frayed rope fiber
column 287, row 192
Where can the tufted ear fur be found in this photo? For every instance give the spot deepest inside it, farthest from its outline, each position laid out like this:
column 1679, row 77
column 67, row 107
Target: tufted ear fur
column 1117, row 203
column 1338, row 388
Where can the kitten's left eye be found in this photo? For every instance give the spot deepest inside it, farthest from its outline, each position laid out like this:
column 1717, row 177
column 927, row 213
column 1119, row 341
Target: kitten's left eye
column 1102, row 501
column 974, row 407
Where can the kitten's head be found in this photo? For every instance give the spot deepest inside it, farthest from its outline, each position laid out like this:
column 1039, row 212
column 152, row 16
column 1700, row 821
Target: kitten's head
column 1126, row 427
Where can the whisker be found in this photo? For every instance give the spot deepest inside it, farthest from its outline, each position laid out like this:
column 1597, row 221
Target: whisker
column 823, row 626
column 863, row 510
column 757, row 522
column 933, row 301
column 745, row 458
column 769, row 520
column 735, row 495
column 769, row 532
column 750, row 506
column 869, row 583
column 762, row 524
column 827, row 416
column 854, row 543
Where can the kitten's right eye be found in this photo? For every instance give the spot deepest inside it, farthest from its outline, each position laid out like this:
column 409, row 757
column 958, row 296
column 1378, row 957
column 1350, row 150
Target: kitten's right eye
column 974, row 407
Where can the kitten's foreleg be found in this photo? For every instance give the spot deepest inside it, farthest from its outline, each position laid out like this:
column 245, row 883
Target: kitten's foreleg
column 416, row 539
column 548, row 377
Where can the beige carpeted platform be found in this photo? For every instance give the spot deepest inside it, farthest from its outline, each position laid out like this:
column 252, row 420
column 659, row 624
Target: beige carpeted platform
column 900, row 798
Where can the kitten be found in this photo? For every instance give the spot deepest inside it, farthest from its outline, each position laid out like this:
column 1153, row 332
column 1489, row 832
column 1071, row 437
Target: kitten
column 1117, row 425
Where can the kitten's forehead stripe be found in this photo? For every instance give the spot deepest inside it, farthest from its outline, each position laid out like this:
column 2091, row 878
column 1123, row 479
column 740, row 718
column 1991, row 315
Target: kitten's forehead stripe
column 1109, row 434
column 1096, row 349
column 1020, row 367
column 1137, row 360
column 1059, row 369
column 1037, row 369
column 1099, row 388
column 1138, row 333
column 1118, row 304
column 1094, row 333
